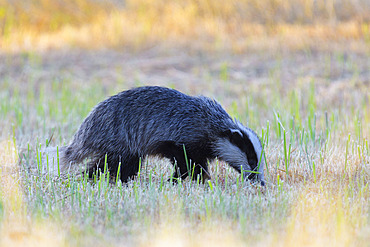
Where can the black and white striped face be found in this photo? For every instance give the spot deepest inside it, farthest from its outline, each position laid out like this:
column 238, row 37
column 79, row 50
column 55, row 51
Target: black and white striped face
column 242, row 149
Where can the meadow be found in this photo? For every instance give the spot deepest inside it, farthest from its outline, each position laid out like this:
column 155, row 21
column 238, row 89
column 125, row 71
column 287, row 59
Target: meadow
column 296, row 71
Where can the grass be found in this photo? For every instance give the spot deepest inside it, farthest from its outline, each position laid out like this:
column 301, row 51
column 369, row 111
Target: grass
column 301, row 81
column 317, row 177
column 200, row 25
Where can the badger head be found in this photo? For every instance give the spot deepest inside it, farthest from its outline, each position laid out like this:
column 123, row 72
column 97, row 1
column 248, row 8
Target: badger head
column 241, row 148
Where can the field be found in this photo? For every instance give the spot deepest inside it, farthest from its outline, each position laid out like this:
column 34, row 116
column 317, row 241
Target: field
column 295, row 71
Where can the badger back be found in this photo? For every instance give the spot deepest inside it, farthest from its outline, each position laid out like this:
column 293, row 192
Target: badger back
column 139, row 119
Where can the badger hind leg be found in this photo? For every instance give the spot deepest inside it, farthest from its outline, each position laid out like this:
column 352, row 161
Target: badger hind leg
column 129, row 167
column 127, row 163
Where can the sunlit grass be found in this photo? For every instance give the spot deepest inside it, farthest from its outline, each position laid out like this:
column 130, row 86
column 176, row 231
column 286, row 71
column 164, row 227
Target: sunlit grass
column 317, row 172
column 16, row 228
column 210, row 25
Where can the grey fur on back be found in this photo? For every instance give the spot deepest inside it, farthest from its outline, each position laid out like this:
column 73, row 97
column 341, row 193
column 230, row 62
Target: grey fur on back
column 149, row 118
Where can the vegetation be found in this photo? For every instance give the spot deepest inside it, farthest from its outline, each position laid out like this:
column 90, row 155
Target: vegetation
column 301, row 81
column 206, row 25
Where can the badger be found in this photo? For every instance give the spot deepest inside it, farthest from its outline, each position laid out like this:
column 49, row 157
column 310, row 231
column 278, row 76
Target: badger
column 157, row 121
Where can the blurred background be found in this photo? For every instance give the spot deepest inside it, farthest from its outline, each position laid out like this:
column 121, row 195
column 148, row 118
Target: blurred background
column 208, row 25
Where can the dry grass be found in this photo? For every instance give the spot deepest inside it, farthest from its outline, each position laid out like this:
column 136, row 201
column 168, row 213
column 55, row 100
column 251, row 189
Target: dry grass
column 206, row 25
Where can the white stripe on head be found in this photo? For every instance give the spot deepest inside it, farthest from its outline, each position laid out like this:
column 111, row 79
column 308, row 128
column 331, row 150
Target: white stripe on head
column 257, row 148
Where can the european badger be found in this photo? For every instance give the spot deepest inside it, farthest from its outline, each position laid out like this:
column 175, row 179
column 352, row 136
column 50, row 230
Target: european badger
column 161, row 121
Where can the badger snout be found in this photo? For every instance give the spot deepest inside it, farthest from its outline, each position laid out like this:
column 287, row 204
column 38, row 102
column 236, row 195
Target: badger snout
column 254, row 177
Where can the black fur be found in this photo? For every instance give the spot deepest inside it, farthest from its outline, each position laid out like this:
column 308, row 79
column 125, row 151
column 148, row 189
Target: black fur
column 158, row 121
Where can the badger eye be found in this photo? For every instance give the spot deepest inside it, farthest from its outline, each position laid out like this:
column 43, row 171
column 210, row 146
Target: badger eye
column 235, row 137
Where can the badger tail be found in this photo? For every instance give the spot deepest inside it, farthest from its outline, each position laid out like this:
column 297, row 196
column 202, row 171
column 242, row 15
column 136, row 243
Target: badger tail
column 54, row 161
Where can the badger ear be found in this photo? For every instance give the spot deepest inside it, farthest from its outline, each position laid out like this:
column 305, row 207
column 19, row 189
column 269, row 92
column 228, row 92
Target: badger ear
column 234, row 135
